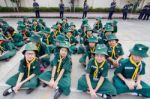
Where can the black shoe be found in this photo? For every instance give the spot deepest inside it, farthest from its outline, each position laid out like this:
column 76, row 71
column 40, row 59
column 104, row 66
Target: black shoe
column 8, row 91
column 58, row 93
column 108, row 97
column 44, row 85
column 29, row 90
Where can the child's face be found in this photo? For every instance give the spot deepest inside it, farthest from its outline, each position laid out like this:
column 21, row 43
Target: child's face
column 30, row 55
column 89, row 33
column 136, row 58
column 112, row 42
column 1, row 41
column 92, row 45
column 63, row 52
column 69, row 33
column 99, row 58
column 35, row 23
column 72, row 27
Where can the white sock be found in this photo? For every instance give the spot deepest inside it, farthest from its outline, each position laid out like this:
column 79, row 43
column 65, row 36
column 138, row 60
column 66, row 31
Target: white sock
column 10, row 90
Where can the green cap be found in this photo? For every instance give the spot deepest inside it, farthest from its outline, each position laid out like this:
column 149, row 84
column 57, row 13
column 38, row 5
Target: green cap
column 35, row 38
column 93, row 39
column 99, row 18
column 54, row 26
column 30, row 47
column 72, row 24
column 101, row 49
column 115, row 22
column 60, row 38
column 69, row 30
column 65, row 44
column 112, row 37
column 47, row 30
column 140, row 50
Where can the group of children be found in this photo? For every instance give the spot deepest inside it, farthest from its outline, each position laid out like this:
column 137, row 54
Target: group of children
column 99, row 44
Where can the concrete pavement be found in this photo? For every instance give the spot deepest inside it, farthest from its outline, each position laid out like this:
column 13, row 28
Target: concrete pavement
column 129, row 33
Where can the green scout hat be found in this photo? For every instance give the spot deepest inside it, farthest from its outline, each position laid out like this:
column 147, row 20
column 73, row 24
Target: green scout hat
column 101, row 49
column 92, row 39
column 140, row 50
column 69, row 30
column 47, row 30
column 22, row 26
column 85, row 21
column 20, row 22
column 30, row 47
column 60, row 38
column 108, row 28
column 54, row 26
column 33, row 20
column 89, row 29
column 72, row 24
column 59, row 22
column 108, row 23
column 64, row 44
column 114, row 22
column 99, row 18
column 40, row 20
column 112, row 37
column 35, row 38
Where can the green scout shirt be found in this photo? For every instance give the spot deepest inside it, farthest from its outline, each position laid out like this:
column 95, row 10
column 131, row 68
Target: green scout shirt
column 127, row 69
column 54, row 34
column 72, row 40
column 34, row 69
column 36, row 28
column 89, row 52
column 92, row 67
column 75, row 33
column 66, row 64
column 17, row 37
column 50, row 39
column 7, row 46
column 118, row 50
column 115, row 29
column 43, row 49
column 97, row 26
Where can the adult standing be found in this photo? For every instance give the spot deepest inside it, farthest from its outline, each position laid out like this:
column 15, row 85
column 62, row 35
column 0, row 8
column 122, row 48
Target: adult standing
column 125, row 10
column 112, row 9
column 61, row 8
column 147, row 12
column 36, row 8
column 85, row 9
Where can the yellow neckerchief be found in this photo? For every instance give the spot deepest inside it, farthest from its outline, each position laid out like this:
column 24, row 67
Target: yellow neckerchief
column 69, row 37
column 47, row 40
column 1, row 48
column 9, row 36
column 87, row 36
column 97, row 67
column 92, row 50
column 38, row 45
column 13, row 34
column 29, row 65
column 59, row 65
column 113, row 51
column 55, row 33
column 136, row 69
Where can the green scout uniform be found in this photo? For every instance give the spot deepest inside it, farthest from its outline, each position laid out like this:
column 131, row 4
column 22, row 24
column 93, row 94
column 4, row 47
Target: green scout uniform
column 65, row 26
column 66, row 64
column 17, row 39
column 36, row 28
column 75, row 32
column 108, row 28
column 116, row 51
column 47, row 39
column 73, row 41
column 42, row 23
column 115, row 30
column 60, row 30
column 55, row 33
column 23, row 68
column 98, row 27
column 107, row 87
column 128, row 69
column 89, row 51
column 42, row 50
column 7, row 49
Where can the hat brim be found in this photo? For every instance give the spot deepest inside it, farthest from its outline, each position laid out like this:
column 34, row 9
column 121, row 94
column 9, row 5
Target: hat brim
column 23, row 52
column 138, row 54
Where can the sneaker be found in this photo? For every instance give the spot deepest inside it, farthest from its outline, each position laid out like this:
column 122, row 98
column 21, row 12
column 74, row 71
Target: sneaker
column 57, row 93
column 8, row 91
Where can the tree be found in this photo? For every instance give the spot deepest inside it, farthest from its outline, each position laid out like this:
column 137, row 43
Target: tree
column 18, row 4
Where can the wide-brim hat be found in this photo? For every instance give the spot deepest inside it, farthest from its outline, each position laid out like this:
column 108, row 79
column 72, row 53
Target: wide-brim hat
column 140, row 50
column 99, row 18
column 55, row 27
column 112, row 37
column 72, row 24
column 47, row 30
column 60, row 38
column 101, row 49
column 108, row 28
column 93, row 39
column 30, row 47
column 35, row 38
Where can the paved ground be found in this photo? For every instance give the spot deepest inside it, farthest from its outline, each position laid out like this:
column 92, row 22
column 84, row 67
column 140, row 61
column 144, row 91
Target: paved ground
column 67, row 14
column 130, row 32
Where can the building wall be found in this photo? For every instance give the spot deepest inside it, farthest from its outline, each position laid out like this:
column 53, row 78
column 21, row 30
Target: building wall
column 78, row 3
